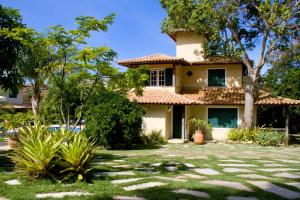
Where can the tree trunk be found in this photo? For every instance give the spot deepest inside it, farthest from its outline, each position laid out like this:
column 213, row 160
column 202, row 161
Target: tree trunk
column 35, row 101
column 249, row 101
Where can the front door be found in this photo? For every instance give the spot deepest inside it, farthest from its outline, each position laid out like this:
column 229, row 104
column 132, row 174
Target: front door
column 178, row 120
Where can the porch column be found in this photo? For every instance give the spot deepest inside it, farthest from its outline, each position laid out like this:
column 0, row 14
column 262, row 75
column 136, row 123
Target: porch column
column 287, row 119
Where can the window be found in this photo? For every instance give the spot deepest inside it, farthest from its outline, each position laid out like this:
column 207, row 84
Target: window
column 12, row 94
column 157, row 77
column 216, row 77
column 223, row 117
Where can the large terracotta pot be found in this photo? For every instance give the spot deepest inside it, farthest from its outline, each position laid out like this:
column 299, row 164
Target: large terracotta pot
column 199, row 137
column 12, row 142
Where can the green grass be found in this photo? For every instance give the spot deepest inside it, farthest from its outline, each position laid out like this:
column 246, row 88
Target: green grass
column 2, row 139
column 206, row 156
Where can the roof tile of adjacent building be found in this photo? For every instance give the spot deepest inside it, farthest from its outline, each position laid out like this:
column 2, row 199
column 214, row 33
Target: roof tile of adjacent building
column 206, row 96
column 166, row 59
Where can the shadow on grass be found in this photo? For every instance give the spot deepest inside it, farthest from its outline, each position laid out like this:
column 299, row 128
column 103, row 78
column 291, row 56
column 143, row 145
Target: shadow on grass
column 6, row 165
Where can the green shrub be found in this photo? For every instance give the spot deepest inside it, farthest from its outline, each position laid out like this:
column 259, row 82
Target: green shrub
column 199, row 124
column 76, row 153
column 239, row 134
column 2, row 139
column 112, row 120
column 154, row 138
column 35, row 151
column 270, row 138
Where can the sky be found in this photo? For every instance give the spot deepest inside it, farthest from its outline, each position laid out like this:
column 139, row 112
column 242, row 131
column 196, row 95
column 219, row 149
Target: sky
column 134, row 33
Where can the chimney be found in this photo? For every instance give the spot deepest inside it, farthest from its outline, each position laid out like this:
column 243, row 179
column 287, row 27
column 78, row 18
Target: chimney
column 189, row 45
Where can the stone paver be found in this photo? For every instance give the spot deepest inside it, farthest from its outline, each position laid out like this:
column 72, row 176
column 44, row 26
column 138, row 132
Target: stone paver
column 120, row 161
column 129, row 180
column 287, row 175
column 122, row 173
column 277, row 169
column 171, row 168
column 61, row 194
column 265, row 161
column 273, row 165
column 228, row 184
column 254, row 176
column 143, row 186
column 232, row 160
column 121, row 166
column 189, row 165
column 295, row 184
column 127, row 198
column 2, row 198
column 240, row 198
column 237, row 170
column 13, row 182
column 156, row 165
column 237, row 165
column 169, row 178
column 275, row 189
column 207, row 171
column 194, row 176
column 288, row 161
column 192, row 193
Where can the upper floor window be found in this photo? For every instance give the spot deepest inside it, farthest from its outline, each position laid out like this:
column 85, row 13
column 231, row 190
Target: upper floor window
column 161, row 77
column 216, row 77
column 12, row 94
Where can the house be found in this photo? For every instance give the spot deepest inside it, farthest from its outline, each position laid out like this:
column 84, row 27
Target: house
column 190, row 85
column 19, row 100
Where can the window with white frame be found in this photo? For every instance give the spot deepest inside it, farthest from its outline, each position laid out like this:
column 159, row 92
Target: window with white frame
column 157, row 77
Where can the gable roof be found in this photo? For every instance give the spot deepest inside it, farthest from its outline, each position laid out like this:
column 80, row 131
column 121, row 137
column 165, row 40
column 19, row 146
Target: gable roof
column 206, row 96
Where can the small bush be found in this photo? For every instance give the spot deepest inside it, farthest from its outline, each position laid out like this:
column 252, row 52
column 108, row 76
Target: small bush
column 154, row 138
column 113, row 121
column 2, row 139
column 238, row 134
column 270, row 138
column 199, row 124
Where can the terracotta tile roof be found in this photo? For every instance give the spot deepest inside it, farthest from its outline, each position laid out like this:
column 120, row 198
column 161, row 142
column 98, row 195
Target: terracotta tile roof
column 152, row 59
column 159, row 96
column 206, row 96
column 218, row 60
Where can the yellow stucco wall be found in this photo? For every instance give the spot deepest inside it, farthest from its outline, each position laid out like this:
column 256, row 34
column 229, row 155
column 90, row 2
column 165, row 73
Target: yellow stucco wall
column 189, row 46
column 157, row 117
column 199, row 77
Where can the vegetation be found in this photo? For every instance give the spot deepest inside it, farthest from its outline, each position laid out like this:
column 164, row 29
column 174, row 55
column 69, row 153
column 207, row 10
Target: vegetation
column 112, row 120
column 13, row 121
column 40, row 153
column 270, row 138
column 237, row 134
column 235, row 28
column 200, row 124
column 153, row 138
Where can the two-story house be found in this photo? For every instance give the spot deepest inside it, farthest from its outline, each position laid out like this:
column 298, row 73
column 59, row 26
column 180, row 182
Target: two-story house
column 190, row 85
column 16, row 100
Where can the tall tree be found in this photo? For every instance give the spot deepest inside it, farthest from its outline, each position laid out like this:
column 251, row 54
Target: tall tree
column 9, row 50
column 235, row 28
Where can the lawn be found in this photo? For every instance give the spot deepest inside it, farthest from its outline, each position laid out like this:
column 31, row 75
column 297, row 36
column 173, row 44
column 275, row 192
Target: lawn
column 175, row 167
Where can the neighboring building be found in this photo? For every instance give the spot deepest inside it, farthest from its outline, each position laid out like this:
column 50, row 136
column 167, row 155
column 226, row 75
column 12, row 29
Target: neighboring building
column 17, row 100
column 189, row 85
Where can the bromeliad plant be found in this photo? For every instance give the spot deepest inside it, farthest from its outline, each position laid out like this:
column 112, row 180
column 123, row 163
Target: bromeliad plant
column 39, row 153
column 75, row 155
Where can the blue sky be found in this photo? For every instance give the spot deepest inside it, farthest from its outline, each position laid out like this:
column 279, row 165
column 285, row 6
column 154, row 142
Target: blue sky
column 135, row 32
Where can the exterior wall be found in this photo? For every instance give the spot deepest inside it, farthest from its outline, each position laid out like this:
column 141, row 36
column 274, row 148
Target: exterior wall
column 18, row 100
column 200, row 111
column 178, row 78
column 189, row 46
column 157, row 117
column 199, row 77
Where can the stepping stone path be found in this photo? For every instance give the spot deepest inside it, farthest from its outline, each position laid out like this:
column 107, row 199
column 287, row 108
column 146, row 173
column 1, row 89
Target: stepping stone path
column 129, row 180
column 192, row 193
column 2, row 198
column 119, row 161
column 121, row 166
column 288, row 161
column 277, row 169
column 236, row 170
column 228, row 184
column 194, row 176
column 237, row 165
column 13, row 182
column 61, row 194
column 169, row 178
column 143, row 186
column 280, row 191
column 156, row 165
column 240, row 198
column 254, row 176
column 287, row 175
column 296, row 185
column 189, row 165
column 206, row 171
column 264, row 161
column 123, row 173
column 274, row 165
column 171, row 169
column 236, row 161
column 127, row 198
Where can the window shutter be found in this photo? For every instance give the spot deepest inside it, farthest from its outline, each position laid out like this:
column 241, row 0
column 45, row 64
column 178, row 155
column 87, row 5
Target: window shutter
column 169, row 76
column 147, row 82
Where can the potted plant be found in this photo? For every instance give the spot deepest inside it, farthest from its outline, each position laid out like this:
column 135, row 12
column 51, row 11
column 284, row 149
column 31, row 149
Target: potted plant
column 199, row 128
